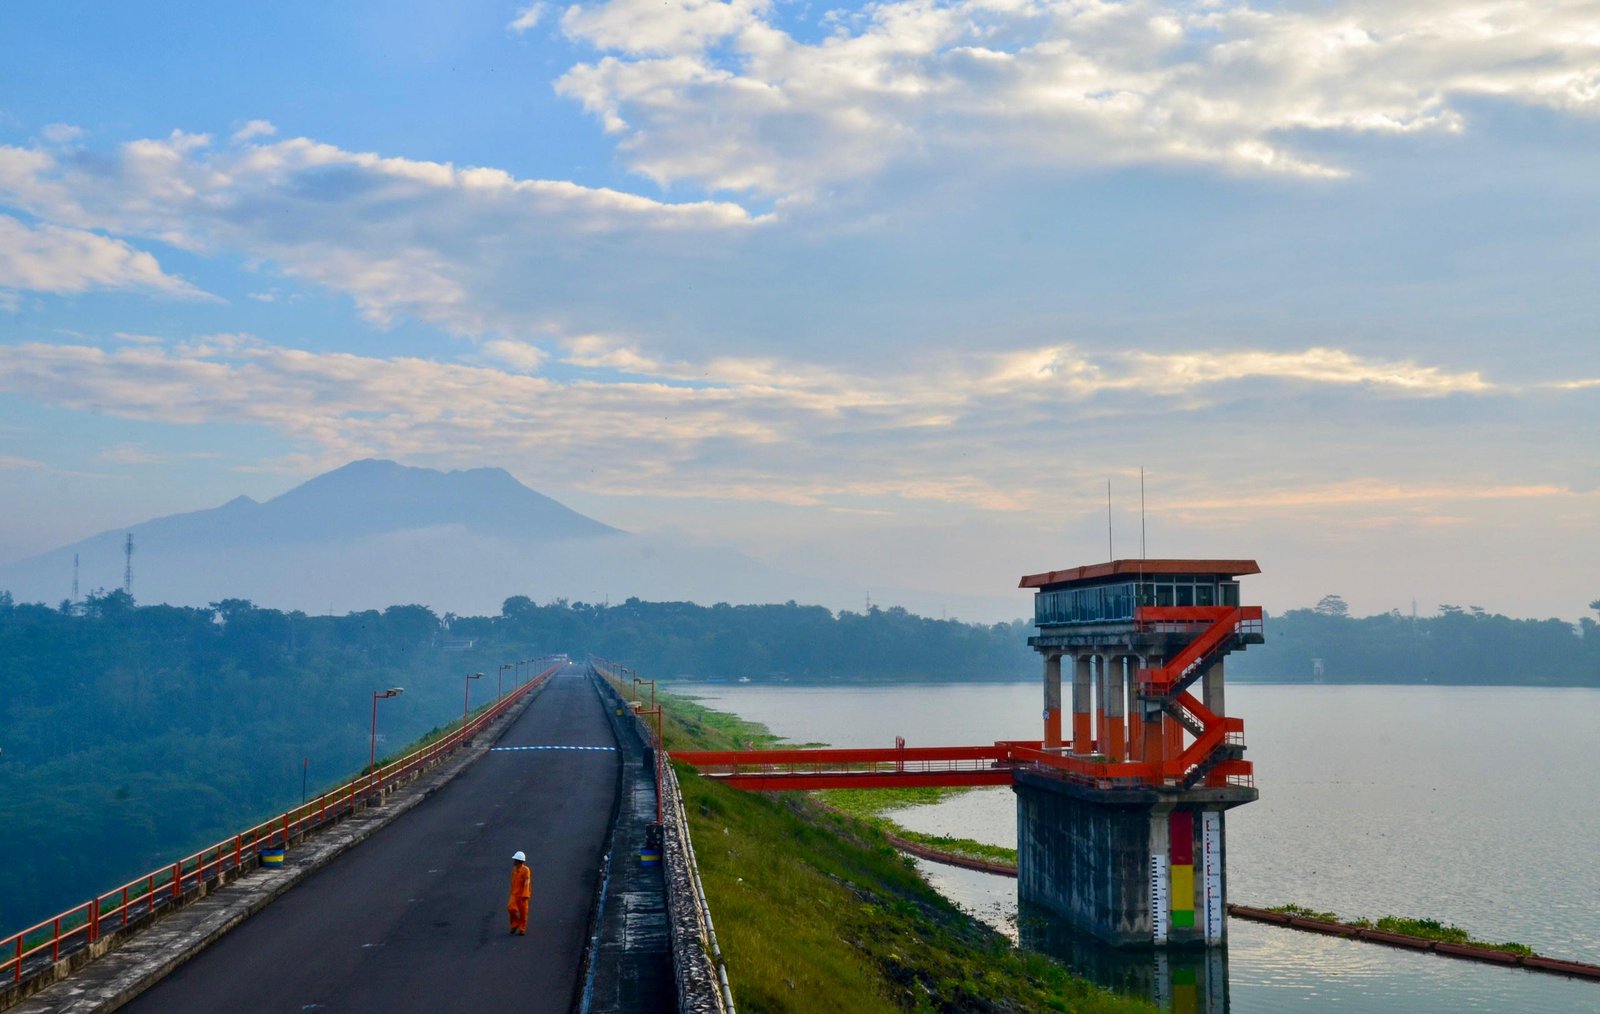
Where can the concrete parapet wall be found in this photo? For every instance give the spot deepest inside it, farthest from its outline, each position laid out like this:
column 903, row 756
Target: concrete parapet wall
column 699, row 973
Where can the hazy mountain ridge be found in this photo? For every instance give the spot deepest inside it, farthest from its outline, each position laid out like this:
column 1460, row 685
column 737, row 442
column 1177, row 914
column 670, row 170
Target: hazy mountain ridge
column 373, row 533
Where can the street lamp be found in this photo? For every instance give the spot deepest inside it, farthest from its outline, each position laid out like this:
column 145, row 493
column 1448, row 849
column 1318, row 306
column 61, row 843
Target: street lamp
column 637, row 681
column 499, row 679
column 372, row 746
column 466, row 692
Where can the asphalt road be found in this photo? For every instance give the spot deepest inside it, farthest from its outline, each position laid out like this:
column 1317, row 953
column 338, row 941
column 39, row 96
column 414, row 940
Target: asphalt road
column 414, row 918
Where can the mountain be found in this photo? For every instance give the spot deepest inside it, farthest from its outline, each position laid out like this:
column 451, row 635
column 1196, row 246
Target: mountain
column 375, row 533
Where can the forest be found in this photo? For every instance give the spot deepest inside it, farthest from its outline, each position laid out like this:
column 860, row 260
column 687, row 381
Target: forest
column 1459, row 645
column 133, row 734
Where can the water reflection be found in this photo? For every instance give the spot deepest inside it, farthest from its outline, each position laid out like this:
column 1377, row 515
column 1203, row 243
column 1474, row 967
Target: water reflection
column 1189, row 980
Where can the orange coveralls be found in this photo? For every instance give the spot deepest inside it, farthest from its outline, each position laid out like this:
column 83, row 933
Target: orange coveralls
column 521, row 892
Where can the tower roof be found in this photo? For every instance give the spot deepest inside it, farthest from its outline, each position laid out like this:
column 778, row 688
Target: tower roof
column 1118, row 568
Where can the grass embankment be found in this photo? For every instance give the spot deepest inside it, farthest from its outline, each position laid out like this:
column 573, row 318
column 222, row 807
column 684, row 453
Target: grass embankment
column 1428, row 929
column 816, row 911
column 869, row 805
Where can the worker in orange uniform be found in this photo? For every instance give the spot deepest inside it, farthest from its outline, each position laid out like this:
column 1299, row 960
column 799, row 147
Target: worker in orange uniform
column 521, row 893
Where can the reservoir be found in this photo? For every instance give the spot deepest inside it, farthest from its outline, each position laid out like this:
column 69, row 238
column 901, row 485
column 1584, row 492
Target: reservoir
column 1477, row 806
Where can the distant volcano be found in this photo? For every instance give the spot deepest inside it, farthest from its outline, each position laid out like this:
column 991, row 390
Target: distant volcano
column 374, row 497
column 376, row 533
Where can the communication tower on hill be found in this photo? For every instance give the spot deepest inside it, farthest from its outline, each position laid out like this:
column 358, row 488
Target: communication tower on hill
column 127, row 565
column 74, row 577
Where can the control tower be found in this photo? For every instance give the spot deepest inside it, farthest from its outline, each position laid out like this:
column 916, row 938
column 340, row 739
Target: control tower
column 1122, row 835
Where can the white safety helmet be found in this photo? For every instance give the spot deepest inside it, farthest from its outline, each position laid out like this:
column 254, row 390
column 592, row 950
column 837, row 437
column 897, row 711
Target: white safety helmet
column 518, row 857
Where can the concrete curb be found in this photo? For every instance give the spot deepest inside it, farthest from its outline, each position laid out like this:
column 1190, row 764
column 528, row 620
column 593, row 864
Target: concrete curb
column 147, row 956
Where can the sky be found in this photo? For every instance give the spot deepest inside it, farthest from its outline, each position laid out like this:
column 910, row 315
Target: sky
column 887, row 293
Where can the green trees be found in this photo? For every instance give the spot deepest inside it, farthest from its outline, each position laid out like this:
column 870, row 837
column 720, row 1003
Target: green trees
column 1461, row 645
column 135, row 734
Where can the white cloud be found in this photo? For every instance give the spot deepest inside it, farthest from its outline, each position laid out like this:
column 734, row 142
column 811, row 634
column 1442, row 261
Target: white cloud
column 962, row 433
column 520, row 356
column 473, row 250
column 50, row 258
column 254, row 129
column 527, row 18
column 719, row 94
column 61, row 133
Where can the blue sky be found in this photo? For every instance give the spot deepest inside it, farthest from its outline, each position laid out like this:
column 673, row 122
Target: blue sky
column 884, row 293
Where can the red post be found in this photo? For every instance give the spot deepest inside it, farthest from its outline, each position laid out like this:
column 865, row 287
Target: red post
column 94, row 919
column 177, row 879
column 55, row 944
column 238, row 850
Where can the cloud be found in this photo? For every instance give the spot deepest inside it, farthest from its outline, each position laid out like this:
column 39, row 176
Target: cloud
column 61, row 133
column 50, row 258
column 472, row 250
column 968, row 433
column 11, row 462
column 527, row 18
column 254, row 129
column 520, row 356
column 722, row 95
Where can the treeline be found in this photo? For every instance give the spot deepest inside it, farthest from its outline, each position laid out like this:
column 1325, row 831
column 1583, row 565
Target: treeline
column 1458, row 646
column 788, row 641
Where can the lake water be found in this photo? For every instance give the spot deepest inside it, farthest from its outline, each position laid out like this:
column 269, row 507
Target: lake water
column 1475, row 806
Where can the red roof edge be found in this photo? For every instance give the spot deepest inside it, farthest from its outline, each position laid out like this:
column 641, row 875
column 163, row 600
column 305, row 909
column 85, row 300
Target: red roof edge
column 1098, row 571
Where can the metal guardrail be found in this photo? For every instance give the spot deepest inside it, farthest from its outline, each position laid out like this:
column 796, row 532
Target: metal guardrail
column 34, row 951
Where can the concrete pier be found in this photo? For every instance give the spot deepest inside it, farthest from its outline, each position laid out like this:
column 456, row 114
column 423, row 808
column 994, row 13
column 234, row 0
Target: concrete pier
column 1127, row 867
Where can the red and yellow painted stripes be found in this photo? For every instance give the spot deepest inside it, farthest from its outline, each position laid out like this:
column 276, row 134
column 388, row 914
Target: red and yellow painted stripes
column 1180, row 838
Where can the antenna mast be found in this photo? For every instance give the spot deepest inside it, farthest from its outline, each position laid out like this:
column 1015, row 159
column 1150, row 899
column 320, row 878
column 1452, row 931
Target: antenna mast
column 1111, row 552
column 74, row 577
column 127, row 565
column 1141, row 512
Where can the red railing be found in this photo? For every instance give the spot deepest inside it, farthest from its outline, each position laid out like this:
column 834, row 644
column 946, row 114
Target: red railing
column 869, row 768
column 1218, row 624
column 122, row 906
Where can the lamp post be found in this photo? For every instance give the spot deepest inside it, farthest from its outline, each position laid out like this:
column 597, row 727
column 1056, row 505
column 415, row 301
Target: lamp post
column 637, row 681
column 466, row 693
column 372, row 746
column 661, row 746
column 516, row 677
column 499, row 679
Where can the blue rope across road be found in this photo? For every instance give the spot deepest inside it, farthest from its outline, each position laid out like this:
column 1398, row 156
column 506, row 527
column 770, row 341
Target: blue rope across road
column 502, row 749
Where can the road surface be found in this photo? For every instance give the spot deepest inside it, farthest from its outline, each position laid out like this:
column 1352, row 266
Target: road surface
column 415, row 917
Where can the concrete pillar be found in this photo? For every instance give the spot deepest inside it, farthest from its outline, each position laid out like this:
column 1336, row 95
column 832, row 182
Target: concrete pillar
column 1152, row 733
column 1102, row 731
column 1131, row 681
column 1135, row 711
column 1114, row 745
column 1052, row 700
column 1082, row 732
column 1211, row 689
